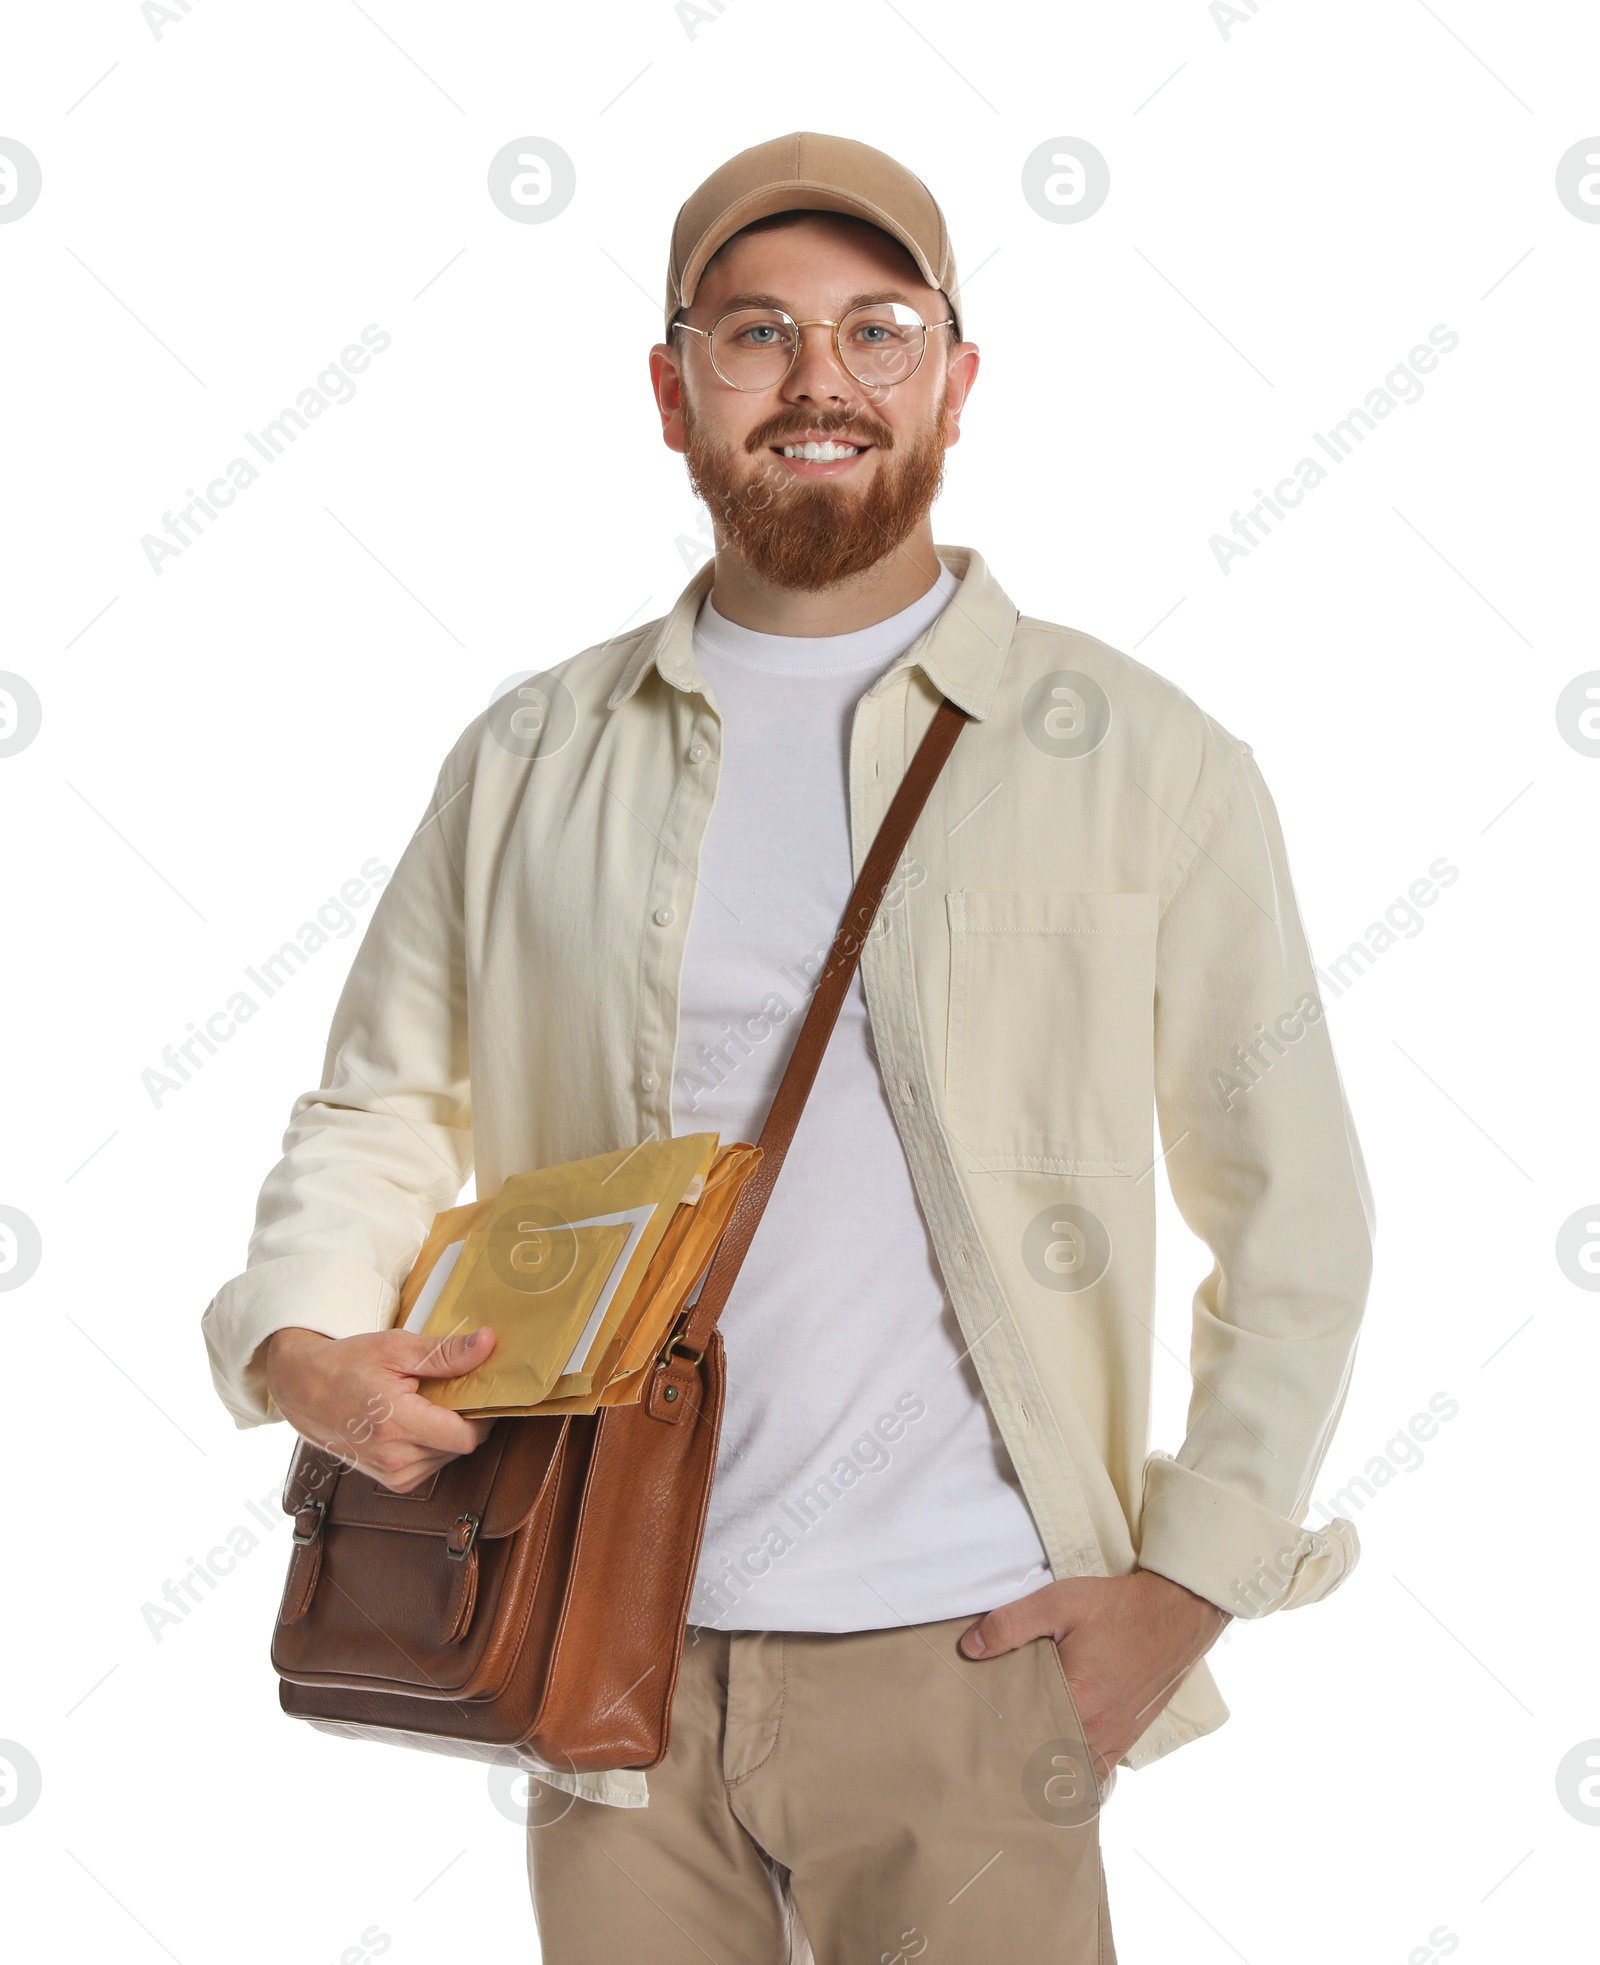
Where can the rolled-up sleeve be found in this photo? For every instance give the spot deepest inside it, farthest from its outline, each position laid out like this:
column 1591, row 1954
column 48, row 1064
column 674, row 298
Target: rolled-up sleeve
column 1265, row 1167
column 385, row 1140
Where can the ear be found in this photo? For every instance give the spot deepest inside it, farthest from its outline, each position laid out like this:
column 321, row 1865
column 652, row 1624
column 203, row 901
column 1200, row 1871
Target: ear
column 963, row 373
column 666, row 379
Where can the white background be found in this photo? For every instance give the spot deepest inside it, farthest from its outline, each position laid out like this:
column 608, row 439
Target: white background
column 1294, row 204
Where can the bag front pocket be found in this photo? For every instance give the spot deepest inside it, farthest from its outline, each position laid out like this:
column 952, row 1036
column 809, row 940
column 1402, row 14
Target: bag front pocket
column 1049, row 1050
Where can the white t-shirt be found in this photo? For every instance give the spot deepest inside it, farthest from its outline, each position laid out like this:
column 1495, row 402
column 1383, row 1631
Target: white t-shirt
column 861, row 1481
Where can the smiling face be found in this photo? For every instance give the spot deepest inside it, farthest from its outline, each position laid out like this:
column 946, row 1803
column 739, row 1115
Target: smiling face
column 816, row 477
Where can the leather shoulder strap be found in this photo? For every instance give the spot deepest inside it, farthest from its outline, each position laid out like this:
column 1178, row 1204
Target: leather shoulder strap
column 826, row 1002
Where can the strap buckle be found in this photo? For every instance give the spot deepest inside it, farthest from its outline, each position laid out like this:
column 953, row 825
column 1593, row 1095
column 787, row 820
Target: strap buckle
column 302, row 1537
column 460, row 1536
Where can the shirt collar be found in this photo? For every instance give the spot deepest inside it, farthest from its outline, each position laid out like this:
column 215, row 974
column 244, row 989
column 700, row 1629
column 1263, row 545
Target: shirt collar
column 961, row 654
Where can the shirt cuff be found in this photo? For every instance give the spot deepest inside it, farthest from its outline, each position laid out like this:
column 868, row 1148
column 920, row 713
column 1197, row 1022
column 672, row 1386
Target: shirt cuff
column 333, row 1294
column 1245, row 1558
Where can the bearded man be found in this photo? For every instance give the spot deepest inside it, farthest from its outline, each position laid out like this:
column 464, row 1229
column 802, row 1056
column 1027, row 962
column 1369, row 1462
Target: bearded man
column 942, row 1572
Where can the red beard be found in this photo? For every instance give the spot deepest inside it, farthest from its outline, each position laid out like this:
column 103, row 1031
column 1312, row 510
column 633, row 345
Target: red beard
column 808, row 534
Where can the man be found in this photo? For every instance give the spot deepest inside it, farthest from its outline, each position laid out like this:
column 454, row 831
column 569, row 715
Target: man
column 939, row 1561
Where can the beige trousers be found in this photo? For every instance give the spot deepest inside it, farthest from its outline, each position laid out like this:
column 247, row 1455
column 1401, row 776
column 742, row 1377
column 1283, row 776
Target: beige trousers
column 866, row 1798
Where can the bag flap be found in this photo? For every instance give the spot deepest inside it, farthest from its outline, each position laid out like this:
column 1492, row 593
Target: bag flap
column 500, row 1482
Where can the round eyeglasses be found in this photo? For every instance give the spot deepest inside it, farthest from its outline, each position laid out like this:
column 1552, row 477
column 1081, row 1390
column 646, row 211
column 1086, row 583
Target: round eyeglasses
column 879, row 345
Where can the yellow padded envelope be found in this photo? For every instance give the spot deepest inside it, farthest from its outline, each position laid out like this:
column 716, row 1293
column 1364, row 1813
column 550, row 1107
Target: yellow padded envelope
column 553, row 1262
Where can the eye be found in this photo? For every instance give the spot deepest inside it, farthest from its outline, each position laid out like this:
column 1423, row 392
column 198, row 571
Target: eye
column 890, row 327
column 762, row 334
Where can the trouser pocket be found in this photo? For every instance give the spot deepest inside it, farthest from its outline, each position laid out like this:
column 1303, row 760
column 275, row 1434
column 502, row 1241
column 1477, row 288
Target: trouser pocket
column 1060, row 1781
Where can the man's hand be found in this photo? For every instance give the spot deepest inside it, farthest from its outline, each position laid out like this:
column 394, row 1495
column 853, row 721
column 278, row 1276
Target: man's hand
column 1125, row 1643
column 357, row 1397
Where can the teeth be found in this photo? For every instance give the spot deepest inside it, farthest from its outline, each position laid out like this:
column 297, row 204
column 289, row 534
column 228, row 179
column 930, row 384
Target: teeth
column 820, row 453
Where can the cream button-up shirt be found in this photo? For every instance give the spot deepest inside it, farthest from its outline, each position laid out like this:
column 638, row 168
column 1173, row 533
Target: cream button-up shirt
column 1092, row 936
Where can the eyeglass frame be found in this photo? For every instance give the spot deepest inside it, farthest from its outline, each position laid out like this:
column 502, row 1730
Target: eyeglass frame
column 753, row 389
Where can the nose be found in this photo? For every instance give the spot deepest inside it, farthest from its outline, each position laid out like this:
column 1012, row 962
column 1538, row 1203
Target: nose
column 818, row 378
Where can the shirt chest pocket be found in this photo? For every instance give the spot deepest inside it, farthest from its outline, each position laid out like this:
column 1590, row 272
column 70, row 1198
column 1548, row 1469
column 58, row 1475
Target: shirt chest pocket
column 1049, row 1049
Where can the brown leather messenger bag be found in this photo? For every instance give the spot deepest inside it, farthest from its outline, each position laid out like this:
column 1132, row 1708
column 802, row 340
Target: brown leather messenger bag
column 528, row 1600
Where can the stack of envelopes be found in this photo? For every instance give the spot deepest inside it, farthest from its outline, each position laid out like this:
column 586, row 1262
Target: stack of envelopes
column 581, row 1269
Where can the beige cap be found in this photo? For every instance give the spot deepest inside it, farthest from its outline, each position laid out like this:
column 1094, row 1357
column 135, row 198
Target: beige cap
column 807, row 172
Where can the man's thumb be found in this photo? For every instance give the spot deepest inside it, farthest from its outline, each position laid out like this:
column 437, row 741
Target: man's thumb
column 453, row 1355
column 1005, row 1629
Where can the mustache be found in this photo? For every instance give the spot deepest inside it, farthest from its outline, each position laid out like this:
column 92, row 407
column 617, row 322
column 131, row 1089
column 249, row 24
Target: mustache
column 860, row 426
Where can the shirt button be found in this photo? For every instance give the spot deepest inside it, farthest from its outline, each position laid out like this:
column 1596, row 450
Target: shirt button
column 698, row 753
column 662, row 916
column 648, row 1082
